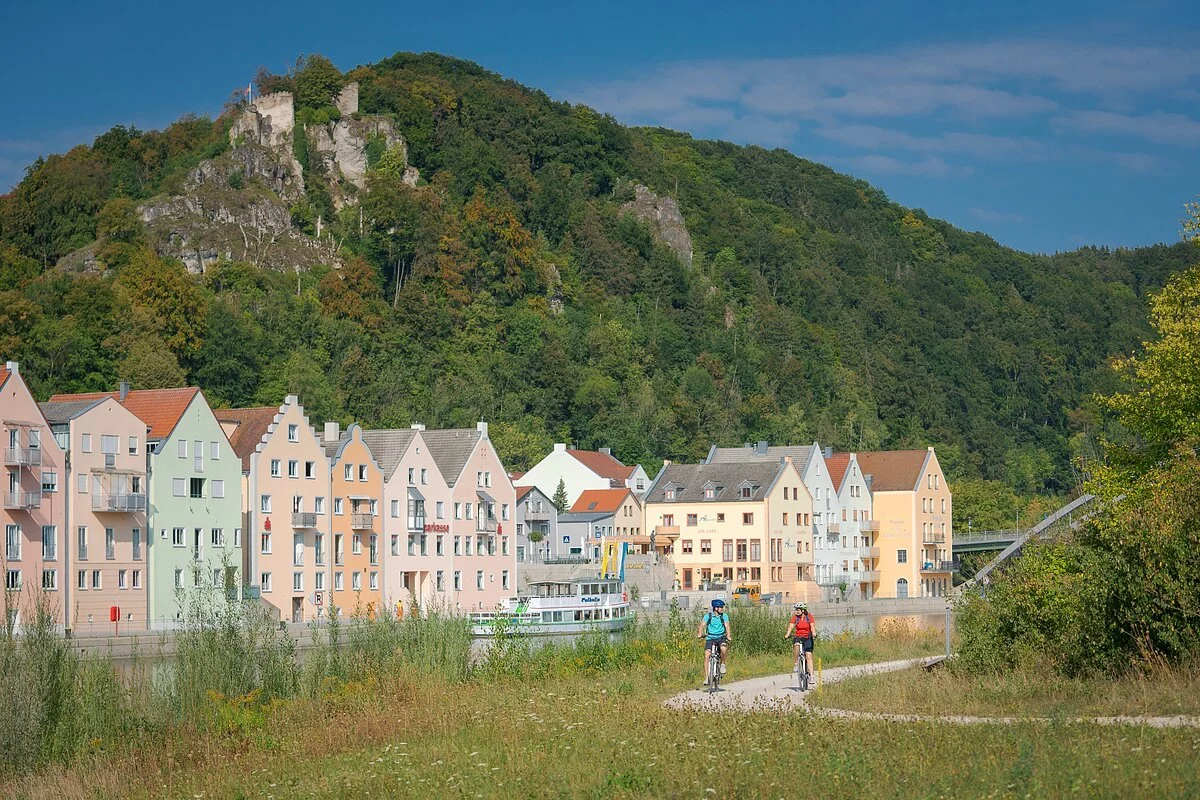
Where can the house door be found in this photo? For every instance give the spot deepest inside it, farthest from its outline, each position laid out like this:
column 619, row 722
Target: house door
column 687, row 579
column 902, row 589
column 297, row 609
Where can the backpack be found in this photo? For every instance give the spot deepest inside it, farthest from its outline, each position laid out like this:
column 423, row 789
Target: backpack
column 709, row 617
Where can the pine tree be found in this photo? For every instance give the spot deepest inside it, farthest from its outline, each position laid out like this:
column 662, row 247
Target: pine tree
column 560, row 496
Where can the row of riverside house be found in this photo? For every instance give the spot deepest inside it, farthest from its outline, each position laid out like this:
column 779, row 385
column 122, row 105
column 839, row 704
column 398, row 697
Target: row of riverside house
column 147, row 501
column 800, row 521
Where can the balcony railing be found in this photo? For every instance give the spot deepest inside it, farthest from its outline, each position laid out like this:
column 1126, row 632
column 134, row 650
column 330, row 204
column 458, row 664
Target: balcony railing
column 23, row 499
column 22, row 457
column 486, row 525
column 940, row 566
column 667, row 530
column 304, row 519
column 362, row 522
column 532, row 514
column 868, row 552
column 868, row 576
column 933, row 538
column 416, row 523
column 118, row 503
column 868, row 525
column 834, row 527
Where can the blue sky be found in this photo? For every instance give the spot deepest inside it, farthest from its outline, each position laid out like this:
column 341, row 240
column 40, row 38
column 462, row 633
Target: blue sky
column 1047, row 125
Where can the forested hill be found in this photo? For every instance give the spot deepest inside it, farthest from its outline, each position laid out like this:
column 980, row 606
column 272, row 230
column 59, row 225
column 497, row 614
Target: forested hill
column 508, row 284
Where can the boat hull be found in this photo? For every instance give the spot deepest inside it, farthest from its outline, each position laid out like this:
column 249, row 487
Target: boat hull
column 490, row 628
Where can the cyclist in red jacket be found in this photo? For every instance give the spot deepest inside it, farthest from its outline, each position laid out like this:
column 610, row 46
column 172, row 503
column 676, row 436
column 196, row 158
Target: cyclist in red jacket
column 800, row 631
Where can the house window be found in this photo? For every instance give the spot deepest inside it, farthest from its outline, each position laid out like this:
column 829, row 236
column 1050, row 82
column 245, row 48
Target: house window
column 110, row 544
column 504, row 511
column 441, row 581
column 86, row 445
column 122, row 578
column 177, row 537
column 310, row 469
column 748, row 518
column 218, row 537
column 339, row 581
column 181, row 449
column 297, row 581
column 293, row 468
column 293, row 433
column 424, row 476
column 264, row 504
column 441, row 509
column 705, row 546
column 756, row 550
column 457, row 580
column 479, row 579
column 374, row 581
column 721, row 517
column 218, row 488
column 137, row 543
column 214, row 451
column 901, row 556
column 319, row 548
column 237, row 537
column 178, row 578
column 672, row 493
column 97, row 579
column 274, row 467
column 727, row 550
column 318, row 505
column 81, row 580
column 504, row 579
column 440, row 547
column 217, row 582
column 362, row 472
column 412, row 471
column 49, row 481
column 337, row 505
column 197, row 487
column 356, row 581
column 12, row 580
column 109, row 444
column 348, row 472
column 265, row 581
column 747, row 492
column 692, row 520
column 319, row 581
column 395, row 509
column 710, row 492
column 785, row 520
column 266, row 542
column 49, row 543
column 687, row 546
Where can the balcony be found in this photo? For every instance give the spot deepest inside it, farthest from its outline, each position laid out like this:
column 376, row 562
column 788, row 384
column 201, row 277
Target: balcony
column 416, row 523
column 22, row 457
column 486, row 525
column 304, row 520
column 118, row 503
column 361, row 522
column 868, row 576
column 868, row 525
column 23, row 500
column 868, row 552
column 933, row 538
column 940, row 566
column 667, row 530
column 834, row 528
column 534, row 514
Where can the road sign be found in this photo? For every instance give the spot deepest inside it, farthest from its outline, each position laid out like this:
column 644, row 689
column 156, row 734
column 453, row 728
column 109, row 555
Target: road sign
column 318, row 598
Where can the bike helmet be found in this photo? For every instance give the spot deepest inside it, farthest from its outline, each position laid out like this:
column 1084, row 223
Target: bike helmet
column 801, row 607
column 718, row 603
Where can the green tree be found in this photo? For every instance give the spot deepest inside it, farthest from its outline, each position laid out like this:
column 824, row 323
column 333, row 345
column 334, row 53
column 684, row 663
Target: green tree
column 317, row 80
column 560, row 496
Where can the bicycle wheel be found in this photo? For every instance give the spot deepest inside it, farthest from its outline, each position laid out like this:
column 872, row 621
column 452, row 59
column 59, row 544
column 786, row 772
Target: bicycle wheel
column 803, row 674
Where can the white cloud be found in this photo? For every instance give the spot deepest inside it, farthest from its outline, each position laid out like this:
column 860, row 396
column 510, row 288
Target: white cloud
column 876, row 164
column 872, row 137
column 1159, row 127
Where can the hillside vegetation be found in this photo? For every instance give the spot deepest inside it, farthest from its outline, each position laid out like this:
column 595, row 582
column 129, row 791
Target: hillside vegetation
column 508, row 285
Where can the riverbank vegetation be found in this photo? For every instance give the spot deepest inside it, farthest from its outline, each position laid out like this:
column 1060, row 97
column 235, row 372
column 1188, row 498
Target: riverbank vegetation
column 231, row 675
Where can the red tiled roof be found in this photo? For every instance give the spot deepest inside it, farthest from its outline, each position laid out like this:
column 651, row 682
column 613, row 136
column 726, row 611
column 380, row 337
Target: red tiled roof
column 893, row 470
column 604, row 465
column 3, row 375
column 604, row 501
column 160, row 409
column 252, row 425
column 522, row 491
column 516, row 476
column 837, row 464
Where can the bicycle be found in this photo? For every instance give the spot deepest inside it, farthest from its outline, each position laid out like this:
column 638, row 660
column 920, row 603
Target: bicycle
column 801, row 670
column 714, row 669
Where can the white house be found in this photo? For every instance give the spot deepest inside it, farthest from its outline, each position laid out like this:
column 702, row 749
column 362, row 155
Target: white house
column 580, row 470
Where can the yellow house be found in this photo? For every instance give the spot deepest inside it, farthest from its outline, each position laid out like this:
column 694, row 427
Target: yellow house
column 912, row 506
column 735, row 525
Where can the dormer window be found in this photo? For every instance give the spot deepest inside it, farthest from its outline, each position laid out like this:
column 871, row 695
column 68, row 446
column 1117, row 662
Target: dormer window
column 710, row 492
column 748, row 490
column 672, row 492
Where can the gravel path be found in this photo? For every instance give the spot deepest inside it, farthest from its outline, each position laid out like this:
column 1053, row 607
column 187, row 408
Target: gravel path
column 779, row 693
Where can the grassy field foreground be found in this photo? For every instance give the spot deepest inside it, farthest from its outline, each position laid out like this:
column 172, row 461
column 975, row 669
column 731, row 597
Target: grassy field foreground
column 1021, row 694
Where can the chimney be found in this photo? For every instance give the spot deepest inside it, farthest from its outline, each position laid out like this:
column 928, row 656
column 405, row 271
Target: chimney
column 418, row 426
column 560, row 447
column 606, row 450
column 333, row 431
column 760, row 449
column 13, row 367
column 124, row 390
column 481, row 426
column 829, row 452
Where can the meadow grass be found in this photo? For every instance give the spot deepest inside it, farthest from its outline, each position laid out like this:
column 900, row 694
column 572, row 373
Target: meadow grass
column 1022, row 693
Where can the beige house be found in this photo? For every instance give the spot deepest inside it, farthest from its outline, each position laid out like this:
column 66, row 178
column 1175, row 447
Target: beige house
column 735, row 524
column 911, row 502
column 289, row 554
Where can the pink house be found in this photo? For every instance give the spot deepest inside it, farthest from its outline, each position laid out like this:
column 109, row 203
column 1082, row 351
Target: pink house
column 34, row 510
column 104, row 486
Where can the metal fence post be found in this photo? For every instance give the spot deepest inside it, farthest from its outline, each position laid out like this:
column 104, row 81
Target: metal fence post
column 947, row 631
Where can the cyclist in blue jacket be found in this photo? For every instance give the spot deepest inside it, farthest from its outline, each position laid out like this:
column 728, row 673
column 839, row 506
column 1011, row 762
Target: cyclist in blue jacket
column 714, row 630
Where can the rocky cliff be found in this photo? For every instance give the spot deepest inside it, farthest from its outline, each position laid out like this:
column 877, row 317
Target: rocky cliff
column 665, row 220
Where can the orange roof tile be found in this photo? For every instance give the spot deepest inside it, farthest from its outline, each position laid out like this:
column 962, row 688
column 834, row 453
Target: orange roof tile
column 252, row 425
column 523, row 490
column 893, row 470
column 837, row 464
column 603, row 464
column 3, row 375
column 160, row 409
column 605, row 501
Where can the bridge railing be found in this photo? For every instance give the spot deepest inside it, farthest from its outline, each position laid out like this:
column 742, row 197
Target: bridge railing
column 975, row 537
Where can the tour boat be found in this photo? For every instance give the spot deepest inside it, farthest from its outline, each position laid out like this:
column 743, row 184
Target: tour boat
column 559, row 607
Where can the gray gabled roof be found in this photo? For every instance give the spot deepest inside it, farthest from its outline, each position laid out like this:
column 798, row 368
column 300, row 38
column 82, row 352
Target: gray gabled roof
column 583, row 516
column 334, row 449
column 388, row 447
column 690, row 480
column 450, row 449
column 800, row 455
column 66, row 410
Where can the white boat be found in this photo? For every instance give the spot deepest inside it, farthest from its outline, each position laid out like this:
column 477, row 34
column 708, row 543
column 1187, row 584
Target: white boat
column 559, row 607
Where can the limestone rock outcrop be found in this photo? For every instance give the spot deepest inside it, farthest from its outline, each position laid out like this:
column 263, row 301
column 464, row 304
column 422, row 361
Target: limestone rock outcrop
column 665, row 219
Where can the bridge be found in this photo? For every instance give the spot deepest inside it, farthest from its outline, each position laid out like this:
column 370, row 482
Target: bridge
column 1064, row 513
column 980, row 541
